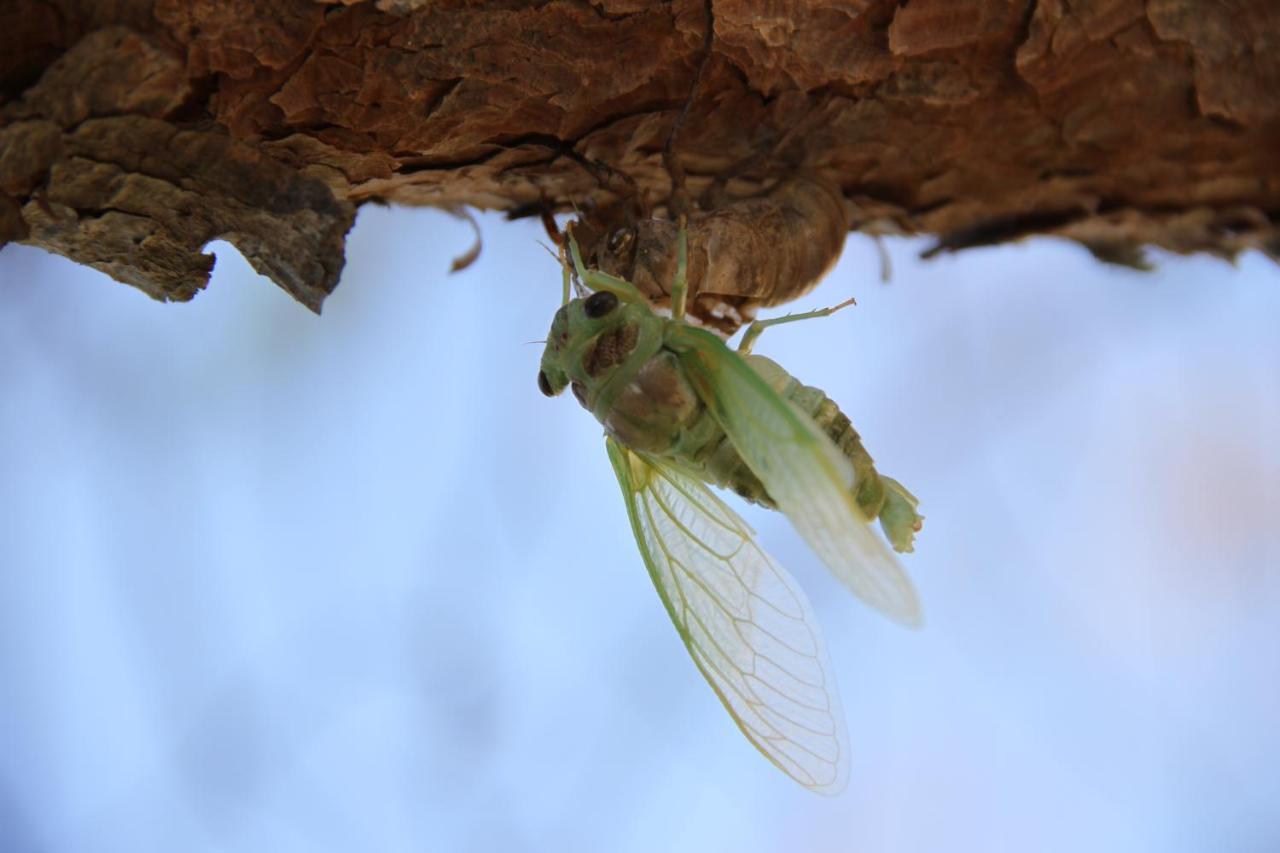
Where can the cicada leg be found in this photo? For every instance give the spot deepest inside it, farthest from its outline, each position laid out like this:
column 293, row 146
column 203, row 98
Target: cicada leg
column 757, row 328
column 566, row 274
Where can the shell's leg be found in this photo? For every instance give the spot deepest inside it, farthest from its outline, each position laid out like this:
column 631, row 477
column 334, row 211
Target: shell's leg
column 680, row 287
column 595, row 280
column 561, row 241
column 679, row 201
column 757, row 328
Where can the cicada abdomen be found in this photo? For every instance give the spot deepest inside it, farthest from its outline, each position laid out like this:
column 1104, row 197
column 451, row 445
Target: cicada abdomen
column 878, row 496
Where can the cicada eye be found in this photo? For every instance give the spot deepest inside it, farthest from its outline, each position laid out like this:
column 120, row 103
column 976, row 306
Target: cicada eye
column 544, row 385
column 600, row 303
column 620, row 239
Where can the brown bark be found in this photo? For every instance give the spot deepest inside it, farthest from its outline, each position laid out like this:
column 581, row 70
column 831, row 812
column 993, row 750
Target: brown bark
column 133, row 132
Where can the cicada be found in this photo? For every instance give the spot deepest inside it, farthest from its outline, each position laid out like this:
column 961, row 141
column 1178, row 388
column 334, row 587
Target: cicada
column 681, row 410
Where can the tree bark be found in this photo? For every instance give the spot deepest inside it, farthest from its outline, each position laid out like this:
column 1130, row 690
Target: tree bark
column 132, row 132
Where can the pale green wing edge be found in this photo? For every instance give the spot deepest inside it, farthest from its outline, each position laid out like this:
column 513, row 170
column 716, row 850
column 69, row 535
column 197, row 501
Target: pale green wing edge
column 801, row 468
column 747, row 625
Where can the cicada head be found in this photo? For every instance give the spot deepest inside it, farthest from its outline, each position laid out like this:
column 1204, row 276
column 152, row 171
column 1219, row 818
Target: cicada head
column 595, row 335
column 590, row 339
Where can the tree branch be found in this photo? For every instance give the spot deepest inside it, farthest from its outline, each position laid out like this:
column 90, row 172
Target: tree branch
column 134, row 132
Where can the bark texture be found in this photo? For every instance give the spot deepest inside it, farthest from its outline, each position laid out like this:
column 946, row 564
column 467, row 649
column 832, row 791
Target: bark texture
column 132, row 132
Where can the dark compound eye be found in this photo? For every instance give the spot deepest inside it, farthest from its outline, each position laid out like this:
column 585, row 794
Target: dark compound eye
column 544, row 385
column 600, row 303
column 619, row 239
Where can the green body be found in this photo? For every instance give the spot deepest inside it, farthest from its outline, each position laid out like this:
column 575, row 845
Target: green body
column 625, row 368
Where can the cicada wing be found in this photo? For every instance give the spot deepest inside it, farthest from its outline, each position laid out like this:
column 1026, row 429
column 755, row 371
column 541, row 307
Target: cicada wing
column 746, row 623
column 802, row 470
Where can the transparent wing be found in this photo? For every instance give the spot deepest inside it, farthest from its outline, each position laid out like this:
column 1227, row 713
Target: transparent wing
column 746, row 624
column 801, row 468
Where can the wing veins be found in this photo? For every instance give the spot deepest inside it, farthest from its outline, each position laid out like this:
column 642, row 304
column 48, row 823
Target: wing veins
column 797, row 743
column 703, row 586
column 779, row 640
column 684, row 528
column 724, row 520
column 766, row 705
column 735, row 573
column 737, row 622
column 821, row 685
column 689, row 613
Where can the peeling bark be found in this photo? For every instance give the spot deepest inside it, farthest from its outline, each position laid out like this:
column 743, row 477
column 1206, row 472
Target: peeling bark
column 134, row 132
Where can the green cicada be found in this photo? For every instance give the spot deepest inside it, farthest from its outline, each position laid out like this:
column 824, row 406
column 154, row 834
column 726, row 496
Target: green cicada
column 680, row 410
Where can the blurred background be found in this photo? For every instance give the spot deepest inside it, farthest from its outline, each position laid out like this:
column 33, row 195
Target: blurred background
column 272, row 582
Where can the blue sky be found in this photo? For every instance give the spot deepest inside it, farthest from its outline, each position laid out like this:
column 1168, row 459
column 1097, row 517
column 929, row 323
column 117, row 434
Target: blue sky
column 271, row 581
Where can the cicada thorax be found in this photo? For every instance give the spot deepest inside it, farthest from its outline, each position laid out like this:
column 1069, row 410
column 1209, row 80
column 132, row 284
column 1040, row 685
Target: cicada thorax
column 652, row 407
column 744, row 253
column 610, row 355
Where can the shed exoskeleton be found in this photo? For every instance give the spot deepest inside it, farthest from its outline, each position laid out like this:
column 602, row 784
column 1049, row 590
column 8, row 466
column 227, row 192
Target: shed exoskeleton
column 743, row 254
